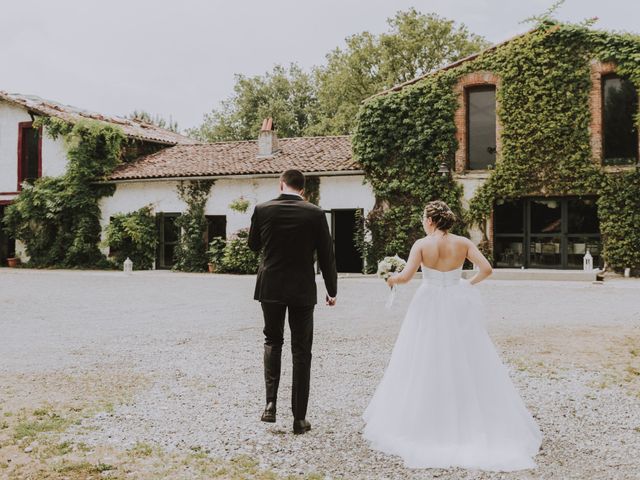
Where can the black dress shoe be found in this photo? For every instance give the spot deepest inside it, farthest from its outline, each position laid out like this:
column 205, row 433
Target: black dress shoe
column 269, row 414
column 301, row 426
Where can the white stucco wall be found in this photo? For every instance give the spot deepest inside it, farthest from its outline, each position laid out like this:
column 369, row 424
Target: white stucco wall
column 54, row 158
column 335, row 192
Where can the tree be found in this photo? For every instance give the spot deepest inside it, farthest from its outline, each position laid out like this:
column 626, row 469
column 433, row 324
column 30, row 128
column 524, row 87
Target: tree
column 286, row 95
column 416, row 44
column 326, row 101
column 157, row 120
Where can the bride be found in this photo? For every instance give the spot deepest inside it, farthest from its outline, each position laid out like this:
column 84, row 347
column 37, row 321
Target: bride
column 446, row 399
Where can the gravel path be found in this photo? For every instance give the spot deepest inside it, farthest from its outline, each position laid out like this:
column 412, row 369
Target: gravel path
column 195, row 343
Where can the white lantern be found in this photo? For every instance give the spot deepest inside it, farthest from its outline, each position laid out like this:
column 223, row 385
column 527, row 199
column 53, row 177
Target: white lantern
column 587, row 262
column 128, row 265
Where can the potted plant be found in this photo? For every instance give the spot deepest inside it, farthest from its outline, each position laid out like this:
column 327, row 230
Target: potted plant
column 240, row 205
column 13, row 262
column 215, row 253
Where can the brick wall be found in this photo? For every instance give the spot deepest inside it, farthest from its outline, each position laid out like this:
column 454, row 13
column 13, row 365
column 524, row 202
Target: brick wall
column 598, row 70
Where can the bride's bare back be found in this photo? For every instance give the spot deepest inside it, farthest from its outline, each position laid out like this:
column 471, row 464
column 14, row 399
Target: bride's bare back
column 444, row 252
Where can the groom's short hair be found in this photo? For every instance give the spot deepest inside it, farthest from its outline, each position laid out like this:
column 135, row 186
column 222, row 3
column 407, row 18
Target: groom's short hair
column 293, row 179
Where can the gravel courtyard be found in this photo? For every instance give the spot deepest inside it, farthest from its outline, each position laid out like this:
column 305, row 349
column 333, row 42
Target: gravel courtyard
column 159, row 375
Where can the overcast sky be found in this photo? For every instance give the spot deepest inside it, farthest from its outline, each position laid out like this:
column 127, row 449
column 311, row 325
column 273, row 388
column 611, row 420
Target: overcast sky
column 178, row 57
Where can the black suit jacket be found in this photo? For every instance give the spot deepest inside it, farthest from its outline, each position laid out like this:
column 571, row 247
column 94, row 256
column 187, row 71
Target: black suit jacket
column 289, row 230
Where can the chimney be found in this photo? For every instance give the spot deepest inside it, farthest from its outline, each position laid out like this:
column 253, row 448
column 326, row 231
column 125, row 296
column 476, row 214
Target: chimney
column 267, row 139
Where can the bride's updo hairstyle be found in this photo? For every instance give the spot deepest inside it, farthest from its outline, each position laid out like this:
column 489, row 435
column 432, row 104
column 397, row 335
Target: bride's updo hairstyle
column 440, row 214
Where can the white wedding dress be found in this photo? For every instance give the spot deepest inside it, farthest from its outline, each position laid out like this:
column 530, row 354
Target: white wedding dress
column 446, row 399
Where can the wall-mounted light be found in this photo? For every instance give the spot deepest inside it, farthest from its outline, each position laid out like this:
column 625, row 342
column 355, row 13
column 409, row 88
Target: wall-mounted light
column 443, row 169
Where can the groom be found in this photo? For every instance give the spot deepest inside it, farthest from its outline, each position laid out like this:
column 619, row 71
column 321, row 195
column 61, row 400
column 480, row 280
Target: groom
column 289, row 231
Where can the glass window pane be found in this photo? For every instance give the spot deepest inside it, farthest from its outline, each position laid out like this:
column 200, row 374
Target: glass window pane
column 508, row 252
column 577, row 248
column 583, row 216
column 171, row 233
column 544, row 252
column 30, row 153
column 545, row 216
column 508, row 216
column 481, row 116
column 216, row 226
column 620, row 104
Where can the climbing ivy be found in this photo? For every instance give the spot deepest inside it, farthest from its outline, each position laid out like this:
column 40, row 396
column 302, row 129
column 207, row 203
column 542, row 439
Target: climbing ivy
column 400, row 141
column 543, row 107
column 133, row 235
column 58, row 218
column 191, row 253
column 619, row 212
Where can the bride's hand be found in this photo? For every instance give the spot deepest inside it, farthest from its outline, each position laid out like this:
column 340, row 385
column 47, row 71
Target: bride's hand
column 391, row 280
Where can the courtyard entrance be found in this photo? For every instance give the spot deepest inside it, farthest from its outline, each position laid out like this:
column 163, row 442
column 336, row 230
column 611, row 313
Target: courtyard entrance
column 344, row 224
column 553, row 232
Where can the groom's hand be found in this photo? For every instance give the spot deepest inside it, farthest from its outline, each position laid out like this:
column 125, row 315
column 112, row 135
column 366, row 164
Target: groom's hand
column 331, row 301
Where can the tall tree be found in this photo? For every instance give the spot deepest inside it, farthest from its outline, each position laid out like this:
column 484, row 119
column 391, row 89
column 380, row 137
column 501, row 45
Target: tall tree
column 326, row 102
column 157, row 120
column 415, row 44
column 286, row 95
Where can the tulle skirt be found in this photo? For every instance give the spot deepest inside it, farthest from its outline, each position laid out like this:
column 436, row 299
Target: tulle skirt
column 446, row 398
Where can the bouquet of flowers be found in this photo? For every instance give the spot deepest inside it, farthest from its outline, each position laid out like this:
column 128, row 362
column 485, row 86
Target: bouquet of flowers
column 387, row 267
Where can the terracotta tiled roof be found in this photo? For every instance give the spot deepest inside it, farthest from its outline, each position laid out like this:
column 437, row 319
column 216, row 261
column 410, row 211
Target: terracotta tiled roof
column 308, row 154
column 131, row 128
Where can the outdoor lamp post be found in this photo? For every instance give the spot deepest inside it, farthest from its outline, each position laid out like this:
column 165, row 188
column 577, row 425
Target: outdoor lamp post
column 587, row 262
column 128, row 266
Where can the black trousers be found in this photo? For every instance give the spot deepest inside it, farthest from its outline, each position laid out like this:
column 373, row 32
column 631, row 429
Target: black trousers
column 301, row 325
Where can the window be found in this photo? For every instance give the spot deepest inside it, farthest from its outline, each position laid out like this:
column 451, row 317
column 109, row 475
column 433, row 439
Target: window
column 29, row 153
column 168, row 239
column 620, row 134
column 546, row 232
column 481, row 127
column 508, row 233
column 216, row 227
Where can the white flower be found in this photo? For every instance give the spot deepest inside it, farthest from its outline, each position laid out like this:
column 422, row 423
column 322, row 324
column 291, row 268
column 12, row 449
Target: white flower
column 390, row 265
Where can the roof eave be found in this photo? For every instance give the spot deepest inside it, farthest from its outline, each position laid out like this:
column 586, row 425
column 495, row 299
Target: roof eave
column 237, row 176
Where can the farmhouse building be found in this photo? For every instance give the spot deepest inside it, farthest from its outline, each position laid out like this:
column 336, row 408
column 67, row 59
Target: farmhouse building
column 530, row 129
column 247, row 170
column 28, row 153
column 158, row 160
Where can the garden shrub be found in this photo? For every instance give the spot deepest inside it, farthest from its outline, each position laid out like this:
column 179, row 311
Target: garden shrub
column 133, row 235
column 238, row 257
column 215, row 253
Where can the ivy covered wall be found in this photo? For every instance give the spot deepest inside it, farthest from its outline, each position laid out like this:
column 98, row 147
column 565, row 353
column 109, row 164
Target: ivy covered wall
column 58, row 218
column 544, row 112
